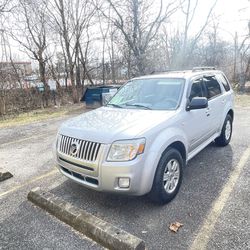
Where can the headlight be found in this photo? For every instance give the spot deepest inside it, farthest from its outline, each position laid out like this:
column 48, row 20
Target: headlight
column 126, row 150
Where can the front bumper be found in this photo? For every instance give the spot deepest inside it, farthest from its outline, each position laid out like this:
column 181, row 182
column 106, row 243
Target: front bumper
column 102, row 175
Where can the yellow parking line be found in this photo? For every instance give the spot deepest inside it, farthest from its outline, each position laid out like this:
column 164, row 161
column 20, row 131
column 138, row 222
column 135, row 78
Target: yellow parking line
column 206, row 230
column 26, row 139
column 52, row 172
column 17, row 141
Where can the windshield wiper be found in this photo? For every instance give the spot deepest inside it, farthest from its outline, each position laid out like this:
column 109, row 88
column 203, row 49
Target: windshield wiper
column 138, row 105
column 114, row 105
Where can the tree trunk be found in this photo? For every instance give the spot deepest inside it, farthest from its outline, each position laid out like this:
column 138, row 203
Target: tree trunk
column 78, row 74
column 73, row 86
column 77, row 65
column 58, row 86
column 103, row 66
column 2, row 105
column 129, row 63
column 112, row 59
column 71, row 73
column 140, row 65
column 68, row 53
column 85, row 71
column 43, row 80
column 235, row 58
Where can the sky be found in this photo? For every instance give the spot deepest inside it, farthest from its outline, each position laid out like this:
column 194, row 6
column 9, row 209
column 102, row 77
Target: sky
column 233, row 16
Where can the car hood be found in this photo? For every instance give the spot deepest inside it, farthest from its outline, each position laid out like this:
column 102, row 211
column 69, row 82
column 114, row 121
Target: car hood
column 107, row 124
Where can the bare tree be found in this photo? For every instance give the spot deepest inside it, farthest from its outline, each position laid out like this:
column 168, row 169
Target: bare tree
column 5, row 6
column 71, row 19
column 31, row 33
column 243, row 51
column 112, row 56
column 189, row 11
column 104, row 33
column 138, row 24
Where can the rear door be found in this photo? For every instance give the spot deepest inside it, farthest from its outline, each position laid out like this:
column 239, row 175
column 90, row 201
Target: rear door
column 216, row 102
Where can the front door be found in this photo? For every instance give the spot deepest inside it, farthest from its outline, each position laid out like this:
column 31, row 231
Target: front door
column 197, row 122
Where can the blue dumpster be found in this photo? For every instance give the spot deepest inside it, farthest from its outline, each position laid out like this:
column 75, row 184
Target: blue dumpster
column 98, row 95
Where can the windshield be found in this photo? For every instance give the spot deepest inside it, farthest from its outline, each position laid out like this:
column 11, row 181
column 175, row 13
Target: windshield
column 156, row 94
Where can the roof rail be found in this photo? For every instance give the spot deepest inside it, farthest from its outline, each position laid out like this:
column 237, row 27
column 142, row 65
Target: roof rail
column 160, row 72
column 203, row 68
column 167, row 71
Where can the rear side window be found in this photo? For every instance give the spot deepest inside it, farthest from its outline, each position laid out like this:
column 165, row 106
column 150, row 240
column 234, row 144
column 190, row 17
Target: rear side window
column 212, row 86
column 196, row 89
column 224, row 81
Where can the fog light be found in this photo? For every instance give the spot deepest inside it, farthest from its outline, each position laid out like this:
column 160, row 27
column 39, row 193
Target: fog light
column 124, row 182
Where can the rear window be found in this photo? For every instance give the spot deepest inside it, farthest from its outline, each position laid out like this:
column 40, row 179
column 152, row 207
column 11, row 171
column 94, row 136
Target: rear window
column 212, row 86
column 224, row 81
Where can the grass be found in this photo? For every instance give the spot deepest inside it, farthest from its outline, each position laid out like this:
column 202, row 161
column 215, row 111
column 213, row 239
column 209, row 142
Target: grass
column 40, row 115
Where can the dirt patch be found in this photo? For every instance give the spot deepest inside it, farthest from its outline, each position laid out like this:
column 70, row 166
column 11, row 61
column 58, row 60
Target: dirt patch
column 242, row 100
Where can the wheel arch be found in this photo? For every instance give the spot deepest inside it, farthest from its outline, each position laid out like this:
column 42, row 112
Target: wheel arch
column 231, row 113
column 178, row 145
column 170, row 138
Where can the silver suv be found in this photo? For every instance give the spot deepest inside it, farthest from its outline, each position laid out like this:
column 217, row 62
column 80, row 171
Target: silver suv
column 142, row 139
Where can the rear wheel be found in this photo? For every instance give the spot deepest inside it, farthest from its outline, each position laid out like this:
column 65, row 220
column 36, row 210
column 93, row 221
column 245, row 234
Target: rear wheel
column 168, row 177
column 226, row 132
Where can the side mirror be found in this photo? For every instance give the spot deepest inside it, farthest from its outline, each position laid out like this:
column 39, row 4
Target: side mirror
column 197, row 103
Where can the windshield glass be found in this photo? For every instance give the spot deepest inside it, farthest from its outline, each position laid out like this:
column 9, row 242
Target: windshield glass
column 156, row 94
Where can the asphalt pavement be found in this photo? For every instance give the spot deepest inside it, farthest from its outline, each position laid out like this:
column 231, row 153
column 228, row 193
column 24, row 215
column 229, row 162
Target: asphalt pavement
column 213, row 202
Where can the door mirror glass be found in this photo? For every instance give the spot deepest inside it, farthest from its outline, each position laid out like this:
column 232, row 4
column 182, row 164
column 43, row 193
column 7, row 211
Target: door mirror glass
column 197, row 103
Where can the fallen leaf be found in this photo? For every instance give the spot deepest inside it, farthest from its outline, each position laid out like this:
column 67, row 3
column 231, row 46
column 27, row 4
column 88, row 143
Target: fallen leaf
column 175, row 226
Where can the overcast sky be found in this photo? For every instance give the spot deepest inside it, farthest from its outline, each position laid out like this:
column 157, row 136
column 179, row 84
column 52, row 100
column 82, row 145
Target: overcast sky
column 233, row 16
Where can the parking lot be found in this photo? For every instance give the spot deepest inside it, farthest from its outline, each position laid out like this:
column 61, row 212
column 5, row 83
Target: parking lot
column 213, row 202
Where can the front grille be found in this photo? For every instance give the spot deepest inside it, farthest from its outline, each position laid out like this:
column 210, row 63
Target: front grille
column 78, row 165
column 81, row 177
column 86, row 150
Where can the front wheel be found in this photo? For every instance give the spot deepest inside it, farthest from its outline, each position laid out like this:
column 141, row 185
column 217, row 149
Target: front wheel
column 168, row 177
column 226, row 132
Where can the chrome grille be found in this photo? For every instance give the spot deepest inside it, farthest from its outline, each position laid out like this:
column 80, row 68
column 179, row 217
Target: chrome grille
column 86, row 150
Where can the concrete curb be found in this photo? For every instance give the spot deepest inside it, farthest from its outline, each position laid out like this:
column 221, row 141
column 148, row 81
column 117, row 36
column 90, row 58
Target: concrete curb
column 4, row 174
column 102, row 232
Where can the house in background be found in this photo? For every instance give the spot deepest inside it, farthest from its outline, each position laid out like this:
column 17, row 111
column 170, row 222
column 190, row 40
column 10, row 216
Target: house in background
column 22, row 68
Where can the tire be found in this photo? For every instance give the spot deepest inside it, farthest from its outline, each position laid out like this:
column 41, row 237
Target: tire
column 161, row 191
column 226, row 132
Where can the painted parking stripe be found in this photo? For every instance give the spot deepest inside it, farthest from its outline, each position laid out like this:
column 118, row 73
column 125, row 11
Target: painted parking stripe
column 50, row 173
column 206, row 230
column 27, row 139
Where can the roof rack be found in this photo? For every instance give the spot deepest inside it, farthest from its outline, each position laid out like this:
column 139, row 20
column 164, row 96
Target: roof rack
column 167, row 71
column 159, row 72
column 203, row 68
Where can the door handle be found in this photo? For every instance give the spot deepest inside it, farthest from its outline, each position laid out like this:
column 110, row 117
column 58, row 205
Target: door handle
column 223, row 101
column 208, row 112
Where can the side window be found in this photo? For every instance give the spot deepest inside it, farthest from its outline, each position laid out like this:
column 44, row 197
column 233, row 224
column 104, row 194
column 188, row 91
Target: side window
column 196, row 89
column 212, row 86
column 224, row 81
